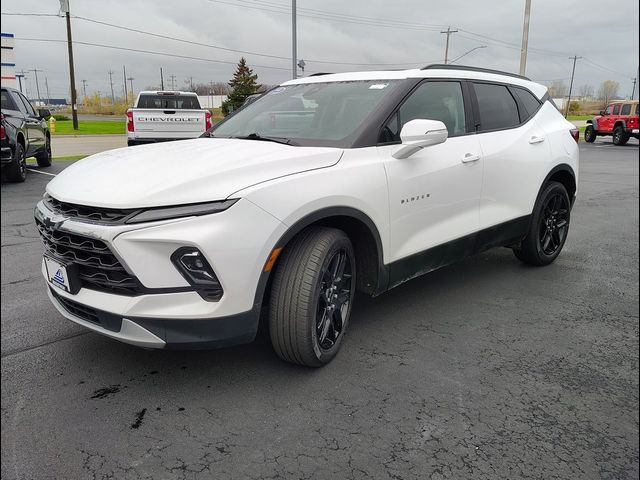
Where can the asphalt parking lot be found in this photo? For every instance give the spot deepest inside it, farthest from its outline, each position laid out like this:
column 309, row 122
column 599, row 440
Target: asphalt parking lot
column 486, row 369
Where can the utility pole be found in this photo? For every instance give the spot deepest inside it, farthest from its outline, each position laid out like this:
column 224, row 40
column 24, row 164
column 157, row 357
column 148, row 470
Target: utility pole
column 20, row 75
column 131, row 79
column 172, row 81
column 46, row 85
column 525, row 37
column 84, row 89
column 161, row 80
column 35, row 70
column 448, row 31
column 294, row 42
column 635, row 79
column 575, row 58
column 126, row 95
column 113, row 97
column 64, row 7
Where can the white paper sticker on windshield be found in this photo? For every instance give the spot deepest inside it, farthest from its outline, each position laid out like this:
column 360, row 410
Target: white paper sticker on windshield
column 277, row 90
column 378, row 86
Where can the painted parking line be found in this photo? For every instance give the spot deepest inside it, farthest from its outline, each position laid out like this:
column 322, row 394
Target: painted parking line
column 42, row 173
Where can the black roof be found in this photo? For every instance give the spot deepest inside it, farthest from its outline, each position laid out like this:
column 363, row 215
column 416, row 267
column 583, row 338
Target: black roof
column 437, row 66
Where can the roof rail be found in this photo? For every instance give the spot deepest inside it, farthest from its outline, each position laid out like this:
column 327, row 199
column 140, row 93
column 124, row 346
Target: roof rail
column 320, row 73
column 437, row 66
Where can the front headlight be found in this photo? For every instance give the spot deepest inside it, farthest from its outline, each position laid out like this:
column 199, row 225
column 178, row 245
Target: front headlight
column 178, row 211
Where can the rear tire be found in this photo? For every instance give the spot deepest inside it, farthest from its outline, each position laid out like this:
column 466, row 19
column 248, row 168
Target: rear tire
column 311, row 296
column 620, row 137
column 44, row 157
column 16, row 171
column 549, row 227
column 590, row 134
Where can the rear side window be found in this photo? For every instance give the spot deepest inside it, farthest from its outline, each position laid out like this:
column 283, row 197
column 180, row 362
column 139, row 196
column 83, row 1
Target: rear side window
column 528, row 102
column 626, row 109
column 498, row 109
column 637, row 108
column 25, row 105
column 169, row 102
column 616, row 109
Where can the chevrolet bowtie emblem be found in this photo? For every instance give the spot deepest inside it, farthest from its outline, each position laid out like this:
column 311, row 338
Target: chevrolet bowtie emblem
column 54, row 222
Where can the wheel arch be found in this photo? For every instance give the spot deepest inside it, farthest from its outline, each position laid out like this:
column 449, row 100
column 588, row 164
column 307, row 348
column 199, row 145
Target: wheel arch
column 565, row 175
column 372, row 278
column 21, row 140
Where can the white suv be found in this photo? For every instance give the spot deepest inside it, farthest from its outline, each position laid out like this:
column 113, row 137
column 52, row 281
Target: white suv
column 323, row 186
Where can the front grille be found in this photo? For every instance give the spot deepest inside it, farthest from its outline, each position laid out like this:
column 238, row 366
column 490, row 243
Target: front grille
column 104, row 319
column 98, row 268
column 84, row 213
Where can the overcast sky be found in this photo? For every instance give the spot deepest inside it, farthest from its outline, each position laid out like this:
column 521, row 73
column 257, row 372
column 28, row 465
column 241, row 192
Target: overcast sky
column 404, row 33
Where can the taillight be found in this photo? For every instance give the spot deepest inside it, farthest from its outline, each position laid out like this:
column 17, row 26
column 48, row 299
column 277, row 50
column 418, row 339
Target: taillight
column 130, row 127
column 3, row 133
column 207, row 120
column 575, row 133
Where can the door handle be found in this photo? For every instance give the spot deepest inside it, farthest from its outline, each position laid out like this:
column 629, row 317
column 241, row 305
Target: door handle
column 470, row 157
column 536, row 139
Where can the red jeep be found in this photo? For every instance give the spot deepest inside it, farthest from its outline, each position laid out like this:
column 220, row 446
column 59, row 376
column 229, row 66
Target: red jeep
column 619, row 119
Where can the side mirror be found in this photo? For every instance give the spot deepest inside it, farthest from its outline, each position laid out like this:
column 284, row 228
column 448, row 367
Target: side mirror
column 418, row 134
column 602, row 112
column 44, row 113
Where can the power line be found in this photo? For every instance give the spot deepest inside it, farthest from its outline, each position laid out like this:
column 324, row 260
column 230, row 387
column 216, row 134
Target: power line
column 136, row 50
column 234, row 50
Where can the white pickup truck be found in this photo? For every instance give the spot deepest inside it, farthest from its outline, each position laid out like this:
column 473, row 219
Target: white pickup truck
column 160, row 116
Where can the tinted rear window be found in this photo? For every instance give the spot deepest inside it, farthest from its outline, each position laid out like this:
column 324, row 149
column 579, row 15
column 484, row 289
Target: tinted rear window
column 497, row 107
column 169, row 102
column 626, row 109
column 527, row 100
column 7, row 101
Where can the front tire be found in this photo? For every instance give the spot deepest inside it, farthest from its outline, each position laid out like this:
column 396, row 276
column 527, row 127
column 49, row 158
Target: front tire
column 549, row 227
column 44, row 157
column 16, row 171
column 311, row 296
column 590, row 134
column 620, row 137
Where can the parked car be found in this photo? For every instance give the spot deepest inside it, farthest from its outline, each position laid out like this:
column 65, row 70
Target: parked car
column 23, row 133
column 161, row 116
column 372, row 179
column 619, row 119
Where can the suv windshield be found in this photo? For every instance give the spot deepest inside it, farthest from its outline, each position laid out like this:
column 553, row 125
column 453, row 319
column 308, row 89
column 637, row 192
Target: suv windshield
column 172, row 102
column 312, row 114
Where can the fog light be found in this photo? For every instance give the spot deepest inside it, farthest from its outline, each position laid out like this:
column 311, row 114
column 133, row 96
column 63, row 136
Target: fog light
column 195, row 269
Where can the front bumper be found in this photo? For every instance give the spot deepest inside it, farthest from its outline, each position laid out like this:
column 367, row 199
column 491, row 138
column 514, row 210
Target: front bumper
column 236, row 243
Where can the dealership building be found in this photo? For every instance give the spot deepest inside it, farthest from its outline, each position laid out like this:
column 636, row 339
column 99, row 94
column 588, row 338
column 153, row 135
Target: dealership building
column 8, row 61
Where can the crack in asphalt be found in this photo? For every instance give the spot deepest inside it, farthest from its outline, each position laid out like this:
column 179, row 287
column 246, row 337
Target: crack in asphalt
column 17, row 351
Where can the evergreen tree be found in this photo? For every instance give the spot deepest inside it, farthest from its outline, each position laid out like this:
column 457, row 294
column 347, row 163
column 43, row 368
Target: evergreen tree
column 242, row 85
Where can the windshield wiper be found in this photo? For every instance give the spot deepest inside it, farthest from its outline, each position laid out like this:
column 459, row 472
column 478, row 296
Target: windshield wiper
column 257, row 136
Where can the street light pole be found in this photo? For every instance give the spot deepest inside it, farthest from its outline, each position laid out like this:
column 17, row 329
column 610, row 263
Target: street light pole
column 575, row 58
column 35, row 70
column 467, row 53
column 525, row 37
column 294, row 41
column 64, row 7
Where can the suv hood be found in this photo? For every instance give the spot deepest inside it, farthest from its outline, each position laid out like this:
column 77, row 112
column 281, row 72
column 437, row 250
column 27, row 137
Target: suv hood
column 182, row 172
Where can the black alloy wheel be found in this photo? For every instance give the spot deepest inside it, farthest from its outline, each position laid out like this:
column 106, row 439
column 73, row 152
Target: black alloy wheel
column 554, row 224
column 334, row 299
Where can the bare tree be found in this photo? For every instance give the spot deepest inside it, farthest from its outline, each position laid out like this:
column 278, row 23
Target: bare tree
column 586, row 92
column 608, row 91
column 557, row 89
